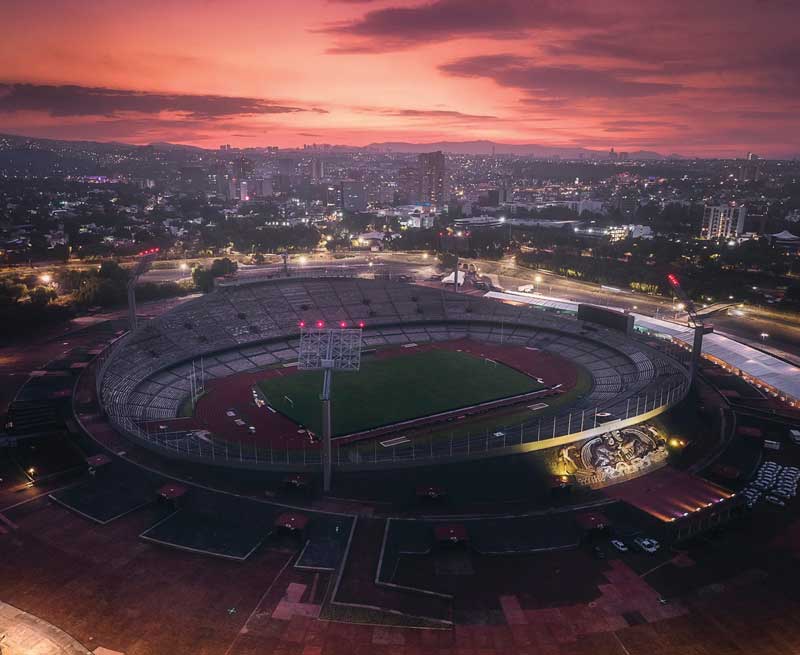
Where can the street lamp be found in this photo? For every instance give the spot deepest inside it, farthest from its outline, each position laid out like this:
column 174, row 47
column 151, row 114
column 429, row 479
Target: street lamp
column 184, row 266
column 764, row 336
column 46, row 278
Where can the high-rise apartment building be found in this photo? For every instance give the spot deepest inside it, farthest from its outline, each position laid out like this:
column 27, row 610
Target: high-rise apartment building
column 750, row 170
column 432, row 177
column 317, row 170
column 723, row 221
column 243, row 168
column 353, row 196
column 407, row 185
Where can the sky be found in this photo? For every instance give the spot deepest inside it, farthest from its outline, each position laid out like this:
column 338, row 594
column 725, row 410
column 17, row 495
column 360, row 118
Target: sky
column 696, row 77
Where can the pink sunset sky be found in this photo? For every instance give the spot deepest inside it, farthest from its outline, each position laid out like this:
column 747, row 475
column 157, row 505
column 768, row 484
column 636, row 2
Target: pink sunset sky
column 712, row 78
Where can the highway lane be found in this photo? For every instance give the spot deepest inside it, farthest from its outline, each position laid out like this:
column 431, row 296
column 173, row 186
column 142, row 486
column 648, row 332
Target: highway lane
column 745, row 324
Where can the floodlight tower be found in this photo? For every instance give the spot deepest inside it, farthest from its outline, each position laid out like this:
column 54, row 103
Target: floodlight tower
column 328, row 349
column 146, row 258
column 695, row 322
column 459, row 240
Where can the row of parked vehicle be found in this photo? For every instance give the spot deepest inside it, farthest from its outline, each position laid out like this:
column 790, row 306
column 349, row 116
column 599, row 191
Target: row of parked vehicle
column 773, row 483
column 644, row 544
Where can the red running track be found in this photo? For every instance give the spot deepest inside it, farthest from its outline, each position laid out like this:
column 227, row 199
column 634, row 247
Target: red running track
column 277, row 431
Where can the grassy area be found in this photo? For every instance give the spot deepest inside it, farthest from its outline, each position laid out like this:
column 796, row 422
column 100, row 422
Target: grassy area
column 396, row 389
column 508, row 420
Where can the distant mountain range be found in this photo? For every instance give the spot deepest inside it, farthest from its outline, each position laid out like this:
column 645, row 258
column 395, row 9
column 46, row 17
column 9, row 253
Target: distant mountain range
column 527, row 149
column 451, row 147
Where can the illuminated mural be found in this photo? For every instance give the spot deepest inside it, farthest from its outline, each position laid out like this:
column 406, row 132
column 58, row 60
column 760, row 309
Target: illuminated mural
column 614, row 456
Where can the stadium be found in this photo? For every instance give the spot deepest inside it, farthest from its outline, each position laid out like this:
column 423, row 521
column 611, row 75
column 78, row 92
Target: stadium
column 444, row 377
column 502, row 472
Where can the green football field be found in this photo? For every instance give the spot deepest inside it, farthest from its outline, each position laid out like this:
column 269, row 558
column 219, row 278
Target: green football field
column 395, row 389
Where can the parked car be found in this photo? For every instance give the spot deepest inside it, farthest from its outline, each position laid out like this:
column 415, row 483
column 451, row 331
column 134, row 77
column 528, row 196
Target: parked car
column 619, row 545
column 647, row 544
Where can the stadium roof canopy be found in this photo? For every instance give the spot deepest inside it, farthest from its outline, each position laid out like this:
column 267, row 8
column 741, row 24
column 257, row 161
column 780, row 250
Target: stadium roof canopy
column 530, row 299
column 756, row 364
column 770, row 370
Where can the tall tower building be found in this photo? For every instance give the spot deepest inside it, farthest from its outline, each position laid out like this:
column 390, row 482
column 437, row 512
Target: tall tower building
column 750, row 170
column 723, row 221
column 317, row 170
column 431, row 177
column 243, row 168
column 407, row 185
column 353, row 196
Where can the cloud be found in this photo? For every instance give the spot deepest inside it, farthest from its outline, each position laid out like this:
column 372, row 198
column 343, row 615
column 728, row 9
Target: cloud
column 635, row 125
column 73, row 100
column 429, row 114
column 555, row 81
column 397, row 27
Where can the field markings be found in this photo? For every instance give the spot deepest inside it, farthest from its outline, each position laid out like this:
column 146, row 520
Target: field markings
column 38, row 496
column 395, row 442
column 619, row 641
column 243, row 629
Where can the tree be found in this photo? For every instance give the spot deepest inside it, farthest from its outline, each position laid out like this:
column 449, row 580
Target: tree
column 42, row 296
column 224, row 266
column 110, row 270
column 203, row 279
column 11, row 292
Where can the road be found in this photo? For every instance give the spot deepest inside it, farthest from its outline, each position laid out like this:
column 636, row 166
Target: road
column 744, row 323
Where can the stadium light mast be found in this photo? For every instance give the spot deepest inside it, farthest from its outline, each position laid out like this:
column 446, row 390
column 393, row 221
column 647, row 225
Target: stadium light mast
column 146, row 258
column 458, row 239
column 329, row 350
column 285, row 257
column 695, row 322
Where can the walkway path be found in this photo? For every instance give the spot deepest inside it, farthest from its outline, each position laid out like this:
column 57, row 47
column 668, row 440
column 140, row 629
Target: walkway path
column 24, row 634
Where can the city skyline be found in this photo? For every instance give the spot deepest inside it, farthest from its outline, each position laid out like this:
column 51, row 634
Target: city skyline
column 716, row 79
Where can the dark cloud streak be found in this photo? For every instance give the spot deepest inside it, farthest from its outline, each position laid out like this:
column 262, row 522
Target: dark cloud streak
column 555, row 81
column 396, row 28
column 72, row 100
